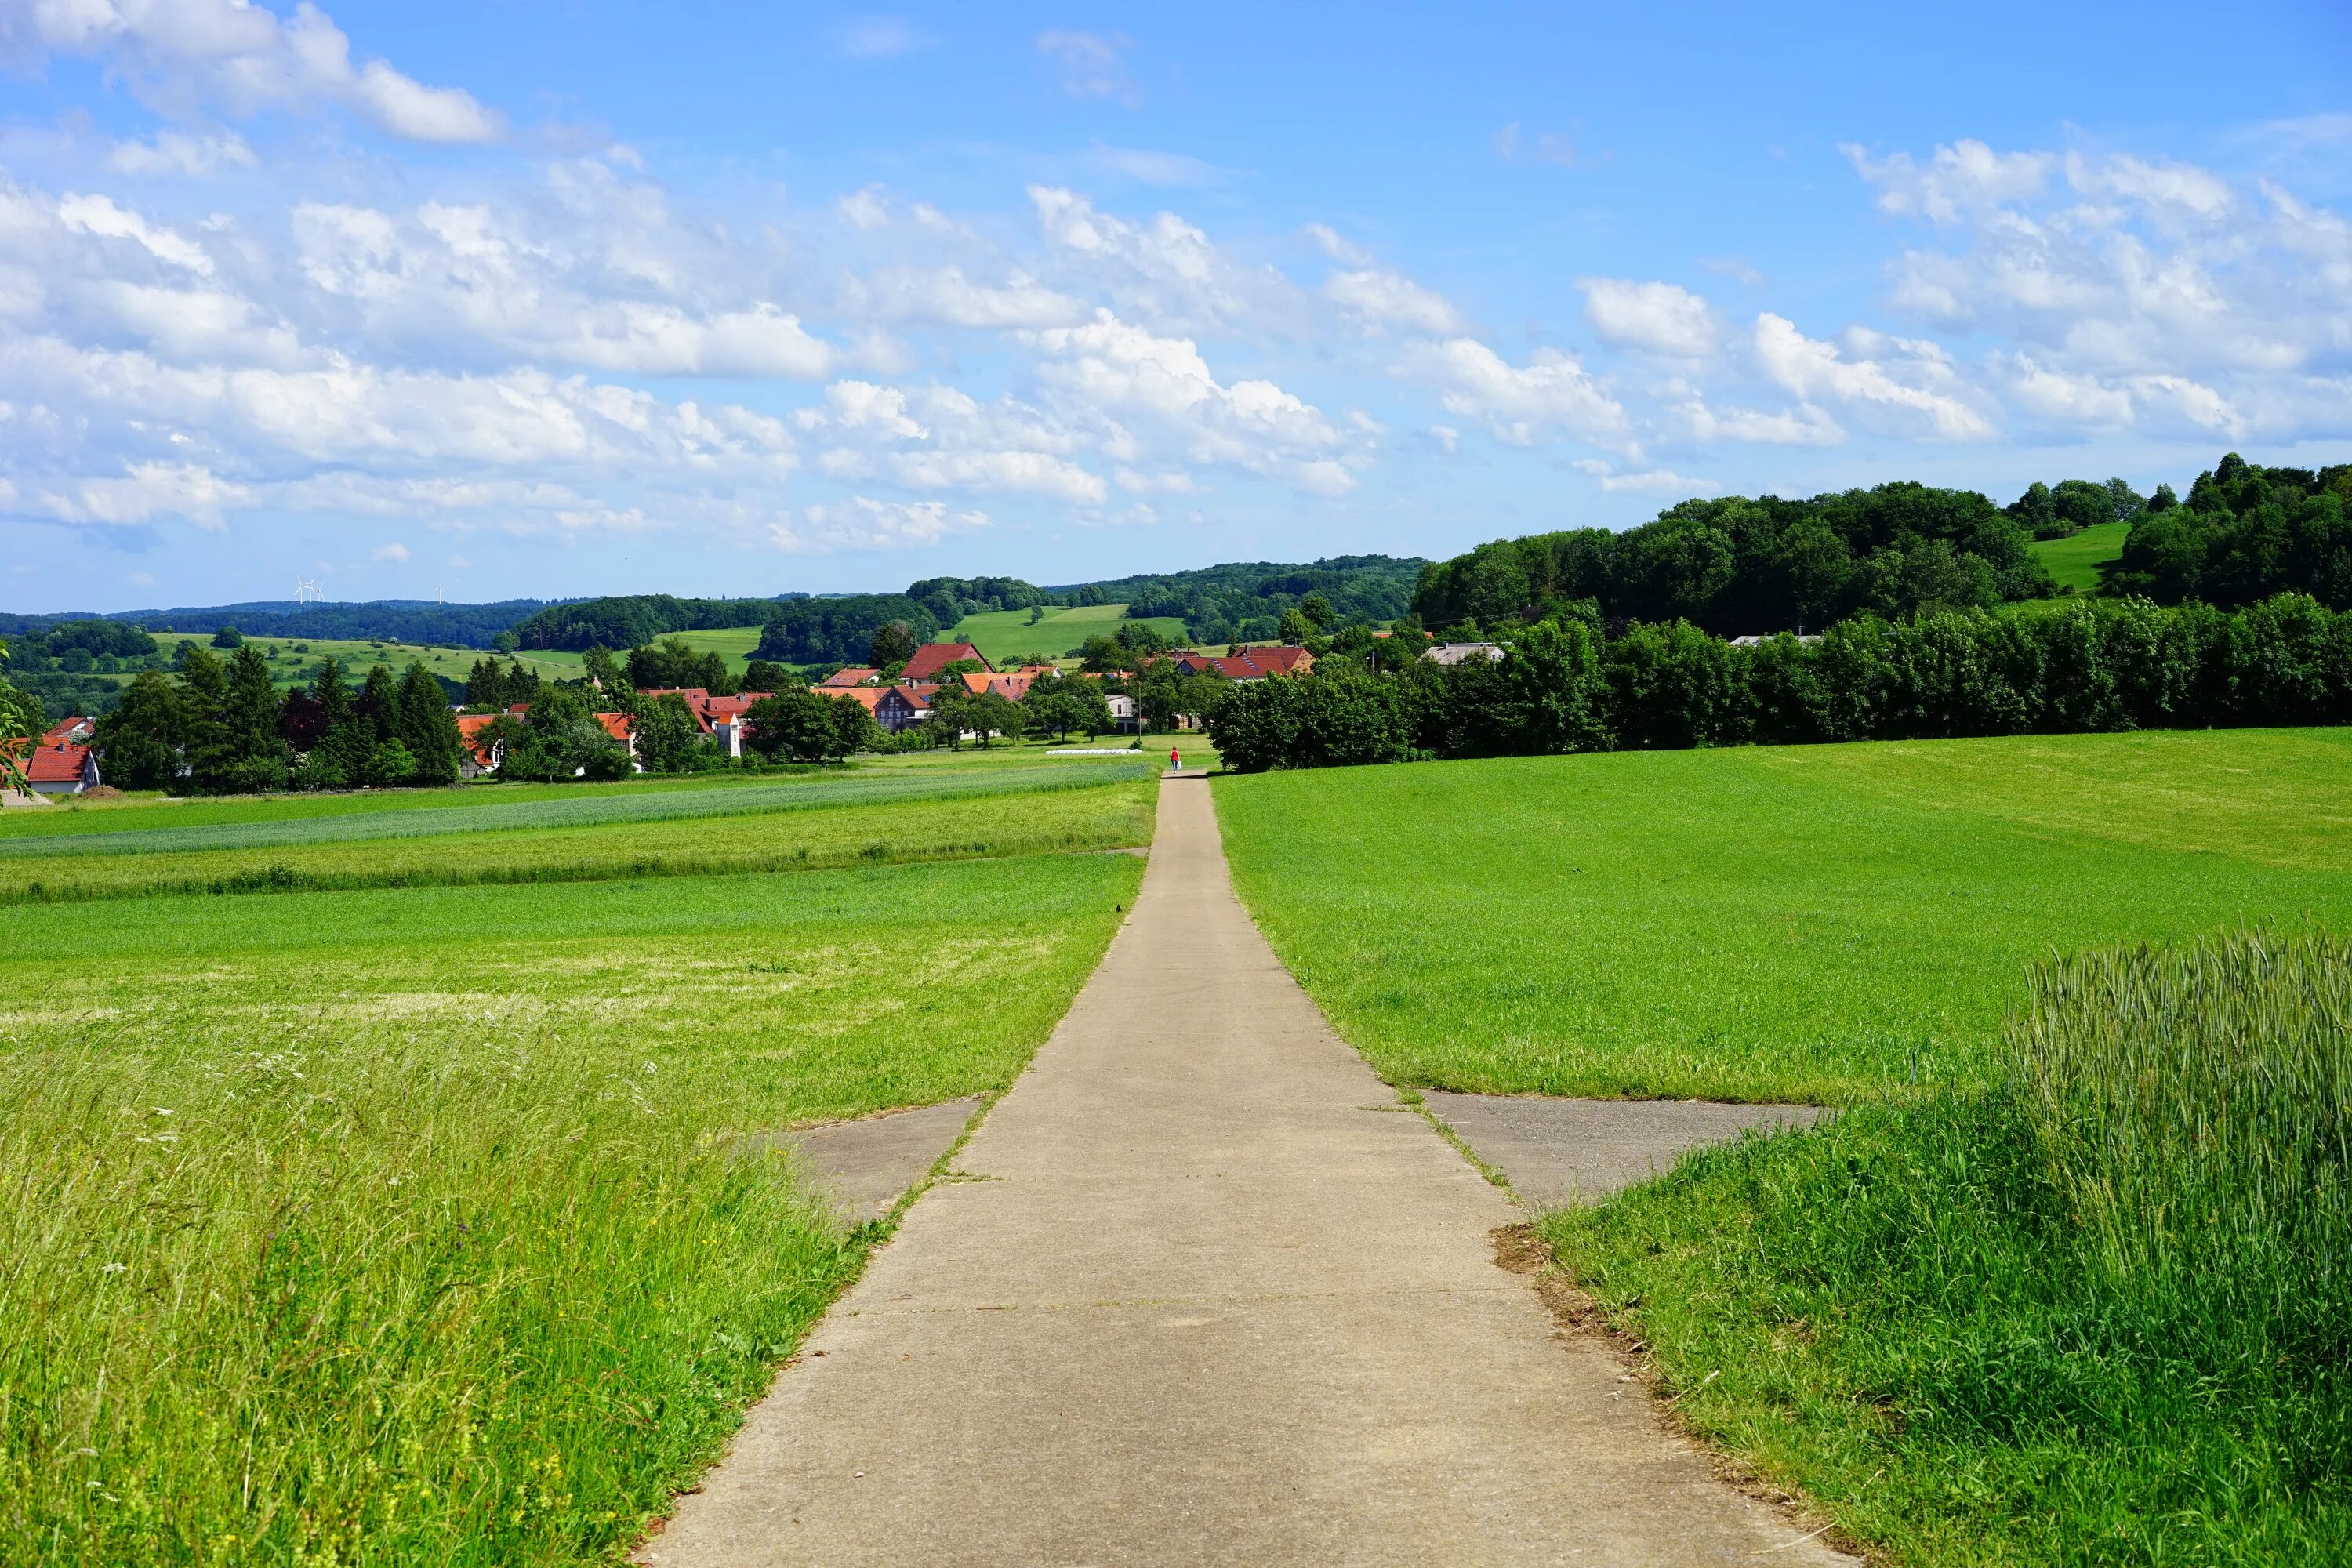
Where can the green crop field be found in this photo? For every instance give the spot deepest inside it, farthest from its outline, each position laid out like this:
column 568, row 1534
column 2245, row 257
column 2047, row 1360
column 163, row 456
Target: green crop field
column 1827, row 923
column 1002, row 635
column 419, row 1225
column 2075, row 561
column 940, row 813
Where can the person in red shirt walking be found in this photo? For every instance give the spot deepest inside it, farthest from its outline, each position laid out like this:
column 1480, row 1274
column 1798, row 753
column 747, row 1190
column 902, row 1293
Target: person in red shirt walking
column 1176, row 759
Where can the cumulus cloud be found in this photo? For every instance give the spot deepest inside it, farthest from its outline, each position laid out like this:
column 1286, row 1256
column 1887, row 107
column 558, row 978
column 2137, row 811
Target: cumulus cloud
column 395, row 554
column 182, row 55
column 99, row 216
column 2162, row 298
column 1164, row 270
column 144, row 493
column 1914, row 382
column 1551, row 395
column 1658, row 318
column 864, row 523
column 175, row 153
column 1120, row 368
column 946, row 296
column 1649, row 481
column 1965, row 177
column 1378, row 301
column 867, row 209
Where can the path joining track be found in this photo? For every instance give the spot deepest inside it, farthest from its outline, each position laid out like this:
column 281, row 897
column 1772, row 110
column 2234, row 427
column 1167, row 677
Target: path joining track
column 1203, row 1293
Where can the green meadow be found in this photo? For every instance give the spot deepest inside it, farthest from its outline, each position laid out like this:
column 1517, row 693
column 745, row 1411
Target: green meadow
column 1824, row 923
column 2074, row 562
column 2063, row 1281
column 1004, row 635
column 419, row 1224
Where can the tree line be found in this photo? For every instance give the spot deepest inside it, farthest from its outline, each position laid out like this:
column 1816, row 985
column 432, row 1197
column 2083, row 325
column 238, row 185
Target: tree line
column 1560, row 685
column 220, row 727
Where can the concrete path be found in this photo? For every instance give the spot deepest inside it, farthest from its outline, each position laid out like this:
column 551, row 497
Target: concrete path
column 1555, row 1152
column 1205, row 1295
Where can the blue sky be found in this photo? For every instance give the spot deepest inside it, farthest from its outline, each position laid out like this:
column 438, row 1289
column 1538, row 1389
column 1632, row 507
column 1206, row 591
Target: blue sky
column 533, row 298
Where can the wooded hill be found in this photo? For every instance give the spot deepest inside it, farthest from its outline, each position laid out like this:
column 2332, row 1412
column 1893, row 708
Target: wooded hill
column 1736, row 565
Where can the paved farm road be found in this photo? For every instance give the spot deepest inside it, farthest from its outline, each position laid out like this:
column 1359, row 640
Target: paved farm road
column 1208, row 1297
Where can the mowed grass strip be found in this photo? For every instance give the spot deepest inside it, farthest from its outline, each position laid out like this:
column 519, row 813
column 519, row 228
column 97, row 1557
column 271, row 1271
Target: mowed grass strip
column 881, row 825
column 417, row 1227
column 1827, row 923
column 592, row 810
column 74, row 817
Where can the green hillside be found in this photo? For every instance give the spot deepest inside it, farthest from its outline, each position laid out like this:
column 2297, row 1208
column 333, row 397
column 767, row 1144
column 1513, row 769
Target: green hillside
column 2075, row 560
column 1001, row 635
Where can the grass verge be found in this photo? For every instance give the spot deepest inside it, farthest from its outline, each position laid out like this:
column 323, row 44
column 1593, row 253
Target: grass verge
column 2093, row 1315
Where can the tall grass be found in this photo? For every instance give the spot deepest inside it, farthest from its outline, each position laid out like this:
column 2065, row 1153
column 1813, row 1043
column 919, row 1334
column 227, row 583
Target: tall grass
column 2193, row 1105
column 2096, row 1313
column 384, row 1302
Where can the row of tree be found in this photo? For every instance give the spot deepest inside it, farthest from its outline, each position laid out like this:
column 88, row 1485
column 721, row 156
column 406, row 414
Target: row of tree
column 2244, row 533
column 2090, row 665
column 219, row 727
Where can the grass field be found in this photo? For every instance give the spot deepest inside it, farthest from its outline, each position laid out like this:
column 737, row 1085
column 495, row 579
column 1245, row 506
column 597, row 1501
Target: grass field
column 1829, row 923
column 1001, row 635
column 2074, row 562
column 415, row 1225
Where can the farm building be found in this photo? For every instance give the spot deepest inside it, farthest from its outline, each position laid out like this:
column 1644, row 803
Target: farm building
column 1250, row 664
column 894, row 707
column 63, row 764
column 1462, row 652
column 854, row 675
column 934, row 656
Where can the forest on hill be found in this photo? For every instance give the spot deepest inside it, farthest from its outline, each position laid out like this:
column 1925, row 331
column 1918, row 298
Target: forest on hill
column 1737, row 565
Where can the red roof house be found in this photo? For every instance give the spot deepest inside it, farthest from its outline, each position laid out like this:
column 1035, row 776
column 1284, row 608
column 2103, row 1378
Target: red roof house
column 934, row 656
column 855, row 675
column 62, row 763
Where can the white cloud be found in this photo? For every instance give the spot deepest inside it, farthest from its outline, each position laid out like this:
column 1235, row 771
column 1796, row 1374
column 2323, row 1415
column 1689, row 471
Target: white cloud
column 1147, row 167
column 1379, row 300
column 395, row 554
column 863, row 523
column 2183, row 188
column 1823, row 372
column 1658, row 318
column 179, row 55
column 864, row 209
column 881, row 37
column 1165, row 271
column 1965, row 177
column 1090, row 65
column 1114, row 366
column 1331, row 243
column 1551, row 394
column 174, row 153
column 2078, row 400
column 145, row 494
column 946, row 296
column 593, row 301
column 99, row 216
column 1650, row 481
